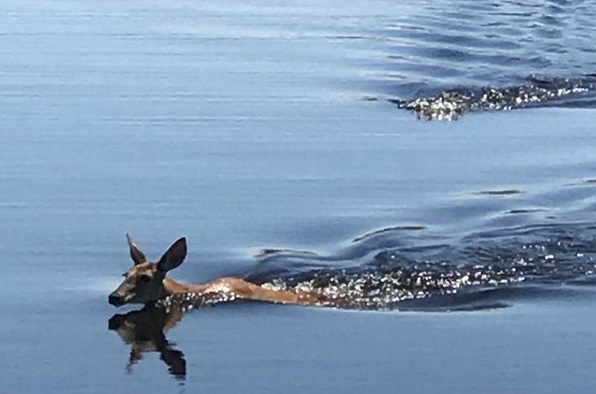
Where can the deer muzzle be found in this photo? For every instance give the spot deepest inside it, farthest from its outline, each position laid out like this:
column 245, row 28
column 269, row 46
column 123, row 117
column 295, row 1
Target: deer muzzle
column 116, row 299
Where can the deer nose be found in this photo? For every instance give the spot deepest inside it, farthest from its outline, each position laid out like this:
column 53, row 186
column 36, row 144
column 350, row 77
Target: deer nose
column 116, row 322
column 115, row 299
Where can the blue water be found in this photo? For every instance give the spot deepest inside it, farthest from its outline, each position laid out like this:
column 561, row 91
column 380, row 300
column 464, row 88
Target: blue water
column 262, row 126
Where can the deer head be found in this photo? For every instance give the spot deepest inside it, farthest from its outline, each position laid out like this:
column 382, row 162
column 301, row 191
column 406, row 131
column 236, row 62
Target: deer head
column 143, row 283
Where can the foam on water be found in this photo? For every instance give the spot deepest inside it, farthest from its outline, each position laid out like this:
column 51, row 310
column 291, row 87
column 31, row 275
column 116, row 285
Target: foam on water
column 452, row 104
column 507, row 258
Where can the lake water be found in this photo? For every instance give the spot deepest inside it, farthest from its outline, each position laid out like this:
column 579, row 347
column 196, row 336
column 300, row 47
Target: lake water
column 259, row 126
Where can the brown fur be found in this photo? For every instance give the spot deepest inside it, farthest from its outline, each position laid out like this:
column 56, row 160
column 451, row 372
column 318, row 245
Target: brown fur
column 146, row 282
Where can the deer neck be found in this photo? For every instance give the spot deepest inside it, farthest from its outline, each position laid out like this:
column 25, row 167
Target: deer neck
column 172, row 287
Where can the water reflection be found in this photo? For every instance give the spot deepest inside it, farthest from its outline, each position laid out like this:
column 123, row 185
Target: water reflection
column 145, row 331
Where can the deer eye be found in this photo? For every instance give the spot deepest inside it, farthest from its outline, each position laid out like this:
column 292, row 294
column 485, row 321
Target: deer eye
column 144, row 278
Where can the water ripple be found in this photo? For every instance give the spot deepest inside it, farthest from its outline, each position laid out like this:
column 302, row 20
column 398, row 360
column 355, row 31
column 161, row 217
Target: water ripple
column 438, row 48
column 494, row 265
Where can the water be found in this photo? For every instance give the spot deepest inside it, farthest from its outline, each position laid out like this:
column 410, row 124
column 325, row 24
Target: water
column 266, row 135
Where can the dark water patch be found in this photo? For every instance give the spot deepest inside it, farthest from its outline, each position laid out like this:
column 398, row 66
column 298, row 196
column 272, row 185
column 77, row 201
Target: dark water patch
column 504, row 192
column 525, row 210
column 268, row 252
column 584, row 281
column 388, row 230
column 588, row 182
column 469, row 300
column 370, row 98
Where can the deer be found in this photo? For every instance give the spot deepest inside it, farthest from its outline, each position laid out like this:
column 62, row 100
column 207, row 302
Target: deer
column 147, row 283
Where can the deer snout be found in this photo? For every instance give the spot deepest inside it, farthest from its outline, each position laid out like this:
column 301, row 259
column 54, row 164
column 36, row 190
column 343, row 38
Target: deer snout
column 116, row 322
column 116, row 300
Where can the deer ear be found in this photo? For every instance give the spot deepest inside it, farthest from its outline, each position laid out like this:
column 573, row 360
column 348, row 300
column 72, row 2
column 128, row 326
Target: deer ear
column 173, row 257
column 135, row 253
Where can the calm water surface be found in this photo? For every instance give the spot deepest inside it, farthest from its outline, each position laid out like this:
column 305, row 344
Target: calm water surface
column 255, row 125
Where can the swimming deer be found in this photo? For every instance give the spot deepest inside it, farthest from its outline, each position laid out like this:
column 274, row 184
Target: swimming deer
column 146, row 282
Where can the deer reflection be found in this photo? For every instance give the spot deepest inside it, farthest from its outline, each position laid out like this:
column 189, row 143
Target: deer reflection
column 144, row 330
